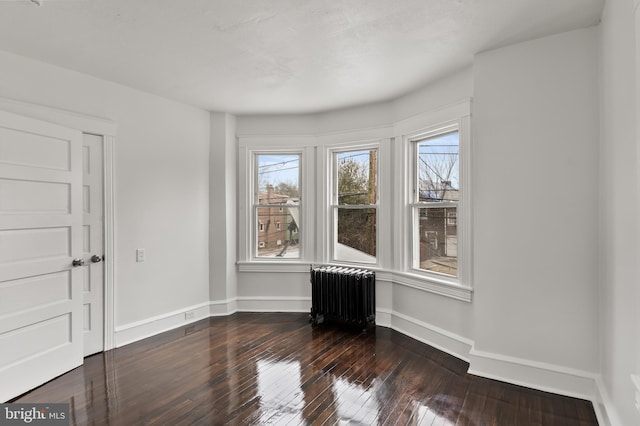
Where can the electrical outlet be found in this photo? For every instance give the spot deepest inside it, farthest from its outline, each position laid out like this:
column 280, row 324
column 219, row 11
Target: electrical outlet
column 140, row 255
column 189, row 315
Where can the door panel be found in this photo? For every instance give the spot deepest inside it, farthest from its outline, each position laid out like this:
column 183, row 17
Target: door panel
column 42, row 290
column 40, row 235
column 33, row 245
column 93, row 243
column 35, row 339
column 52, row 197
column 34, row 150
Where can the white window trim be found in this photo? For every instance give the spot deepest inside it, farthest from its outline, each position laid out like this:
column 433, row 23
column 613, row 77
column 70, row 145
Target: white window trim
column 255, row 206
column 331, row 237
column 415, row 205
column 461, row 286
column 248, row 230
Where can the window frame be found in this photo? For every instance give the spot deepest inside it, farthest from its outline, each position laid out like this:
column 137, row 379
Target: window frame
column 334, row 206
column 254, row 206
column 463, row 219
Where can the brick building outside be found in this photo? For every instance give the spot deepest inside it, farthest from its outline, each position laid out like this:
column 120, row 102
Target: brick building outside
column 277, row 228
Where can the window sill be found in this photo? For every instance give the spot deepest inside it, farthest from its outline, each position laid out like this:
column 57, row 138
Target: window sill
column 279, row 266
column 432, row 285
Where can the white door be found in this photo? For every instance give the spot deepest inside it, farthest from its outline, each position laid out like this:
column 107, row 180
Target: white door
column 40, row 236
column 93, row 245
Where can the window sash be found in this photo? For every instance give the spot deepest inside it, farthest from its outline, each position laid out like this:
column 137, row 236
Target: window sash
column 259, row 230
column 415, row 204
column 415, row 148
column 365, row 258
column 293, row 234
column 431, row 204
column 335, row 178
column 442, row 243
column 335, row 205
column 256, row 177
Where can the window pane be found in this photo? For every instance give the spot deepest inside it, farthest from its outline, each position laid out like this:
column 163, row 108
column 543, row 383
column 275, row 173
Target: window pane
column 356, row 235
column 278, row 232
column 357, row 171
column 438, row 168
column 438, row 236
column 278, row 179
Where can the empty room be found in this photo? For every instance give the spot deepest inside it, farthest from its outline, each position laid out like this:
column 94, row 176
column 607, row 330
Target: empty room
column 332, row 212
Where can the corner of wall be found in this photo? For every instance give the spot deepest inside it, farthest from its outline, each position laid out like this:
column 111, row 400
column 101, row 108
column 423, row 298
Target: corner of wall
column 218, row 308
column 222, row 207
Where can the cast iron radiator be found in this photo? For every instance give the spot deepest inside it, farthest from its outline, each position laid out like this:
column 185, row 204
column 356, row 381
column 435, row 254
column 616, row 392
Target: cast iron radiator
column 343, row 294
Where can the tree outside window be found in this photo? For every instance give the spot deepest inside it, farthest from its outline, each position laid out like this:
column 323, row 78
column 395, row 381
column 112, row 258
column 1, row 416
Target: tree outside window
column 355, row 205
column 436, row 203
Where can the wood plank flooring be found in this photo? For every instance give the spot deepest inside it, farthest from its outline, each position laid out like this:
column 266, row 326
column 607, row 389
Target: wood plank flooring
column 253, row 369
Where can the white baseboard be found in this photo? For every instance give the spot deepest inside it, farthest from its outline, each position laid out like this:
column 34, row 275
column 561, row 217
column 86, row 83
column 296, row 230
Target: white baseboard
column 533, row 374
column 439, row 338
column 383, row 317
column 139, row 330
column 219, row 308
column 273, row 304
column 606, row 412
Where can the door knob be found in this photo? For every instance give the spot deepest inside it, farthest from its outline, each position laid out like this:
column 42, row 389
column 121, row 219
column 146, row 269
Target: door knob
column 77, row 262
column 95, row 258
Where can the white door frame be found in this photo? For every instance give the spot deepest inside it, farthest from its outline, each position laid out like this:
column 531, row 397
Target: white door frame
column 106, row 129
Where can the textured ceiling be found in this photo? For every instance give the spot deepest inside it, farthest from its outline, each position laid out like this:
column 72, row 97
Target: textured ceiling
column 277, row 56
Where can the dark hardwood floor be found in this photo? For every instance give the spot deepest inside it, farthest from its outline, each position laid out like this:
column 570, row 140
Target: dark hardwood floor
column 277, row 369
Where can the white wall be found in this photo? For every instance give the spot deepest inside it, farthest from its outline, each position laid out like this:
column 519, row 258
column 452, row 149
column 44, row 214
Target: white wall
column 223, row 212
column 161, row 188
column 456, row 87
column 274, row 292
column 637, row 136
column 618, row 229
column 535, row 133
